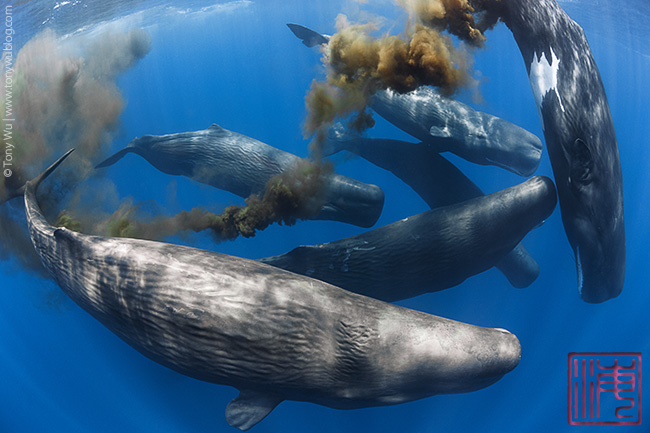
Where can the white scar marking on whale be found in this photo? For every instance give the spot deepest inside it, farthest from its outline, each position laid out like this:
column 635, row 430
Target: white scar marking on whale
column 543, row 79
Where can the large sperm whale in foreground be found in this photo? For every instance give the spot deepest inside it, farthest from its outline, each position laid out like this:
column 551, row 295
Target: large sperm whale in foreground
column 579, row 136
column 431, row 251
column 242, row 165
column 272, row 334
column 436, row 180
column 448, row 125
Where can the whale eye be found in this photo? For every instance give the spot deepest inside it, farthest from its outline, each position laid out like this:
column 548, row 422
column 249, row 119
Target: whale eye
column 581, row 163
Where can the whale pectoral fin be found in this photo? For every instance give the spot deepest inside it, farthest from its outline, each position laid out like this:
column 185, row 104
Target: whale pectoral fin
column 249, row 408
column 437, row 131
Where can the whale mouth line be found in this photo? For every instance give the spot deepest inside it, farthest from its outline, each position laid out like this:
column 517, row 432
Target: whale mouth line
column 579, row 270
column 330, row 207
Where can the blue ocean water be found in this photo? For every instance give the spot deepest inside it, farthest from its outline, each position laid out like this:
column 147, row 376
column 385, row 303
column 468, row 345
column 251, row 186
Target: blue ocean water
column 236, row 64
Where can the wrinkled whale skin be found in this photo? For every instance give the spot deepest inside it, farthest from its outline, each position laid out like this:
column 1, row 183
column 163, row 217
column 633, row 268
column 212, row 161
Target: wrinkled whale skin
column 272, row 334
column 243, row 165
column 580, row 139
column 431, row 251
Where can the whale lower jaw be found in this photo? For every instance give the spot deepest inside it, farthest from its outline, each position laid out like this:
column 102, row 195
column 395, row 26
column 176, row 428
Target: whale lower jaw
column 579, row 271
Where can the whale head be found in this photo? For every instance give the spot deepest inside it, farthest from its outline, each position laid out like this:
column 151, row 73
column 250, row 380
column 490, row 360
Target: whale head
column 593, row 219
column 490, row 354
column 582, row 147
column 585, row 160
column 439, row 356
column 350, row 201
column 512, row 147
column 584, row 154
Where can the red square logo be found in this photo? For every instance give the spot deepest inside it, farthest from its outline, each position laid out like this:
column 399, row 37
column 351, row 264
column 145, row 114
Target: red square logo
column 604, row 388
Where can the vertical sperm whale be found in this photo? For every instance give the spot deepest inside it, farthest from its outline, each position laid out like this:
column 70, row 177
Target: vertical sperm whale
column 580, row 139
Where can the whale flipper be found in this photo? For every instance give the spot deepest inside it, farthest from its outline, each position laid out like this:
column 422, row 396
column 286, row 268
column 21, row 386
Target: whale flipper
column 437, row 131
column 309, row 37
column 114, row 158
column 249, row 408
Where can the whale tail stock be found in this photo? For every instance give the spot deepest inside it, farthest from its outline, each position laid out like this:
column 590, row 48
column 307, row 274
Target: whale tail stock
column 13, row 194
column 115, row 157
column 36, row 181
column 338, row 139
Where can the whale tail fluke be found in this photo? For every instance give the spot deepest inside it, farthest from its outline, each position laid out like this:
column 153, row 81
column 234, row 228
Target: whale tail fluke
column 309, row 37
column 36, row 181
column 115, row 157
column 41, row 177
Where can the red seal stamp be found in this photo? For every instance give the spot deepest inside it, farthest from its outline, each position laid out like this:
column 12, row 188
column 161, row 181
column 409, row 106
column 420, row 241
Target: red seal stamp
column 604, row 388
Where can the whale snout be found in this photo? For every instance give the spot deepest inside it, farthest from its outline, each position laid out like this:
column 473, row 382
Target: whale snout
column 508, row 350
column 352, row 202
column 600, row 269
column 538, row 194
column 494, row 356
column 596, row 231
column 513, row 147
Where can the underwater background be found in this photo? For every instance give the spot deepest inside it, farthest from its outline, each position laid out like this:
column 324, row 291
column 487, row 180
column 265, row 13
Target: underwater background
column 237, row 64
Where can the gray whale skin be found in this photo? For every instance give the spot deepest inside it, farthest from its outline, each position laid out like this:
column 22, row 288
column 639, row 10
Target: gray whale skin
column 272, row 334
column 242, row 165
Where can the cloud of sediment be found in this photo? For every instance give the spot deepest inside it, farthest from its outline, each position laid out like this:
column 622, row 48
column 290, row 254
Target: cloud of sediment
column 293, row 195
column 358, row 64
column 63, row 95
column 466, row 19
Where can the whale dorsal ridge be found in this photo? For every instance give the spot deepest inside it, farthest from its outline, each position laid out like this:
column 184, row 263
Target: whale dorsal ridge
column 219, row 131
column 249, row 408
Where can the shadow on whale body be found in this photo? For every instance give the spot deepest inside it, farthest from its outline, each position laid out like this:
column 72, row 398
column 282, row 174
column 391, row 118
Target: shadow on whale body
column 580, row 138
column 436, row 180
column 272, row 334
column 431, row 251
column 242, row 165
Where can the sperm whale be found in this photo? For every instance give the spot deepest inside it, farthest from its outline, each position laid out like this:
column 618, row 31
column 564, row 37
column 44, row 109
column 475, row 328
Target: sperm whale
column 428, row 252
column 272, row 334
column 580, row 138
column 448, row 125
column 242, row 165
column 436, row 180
